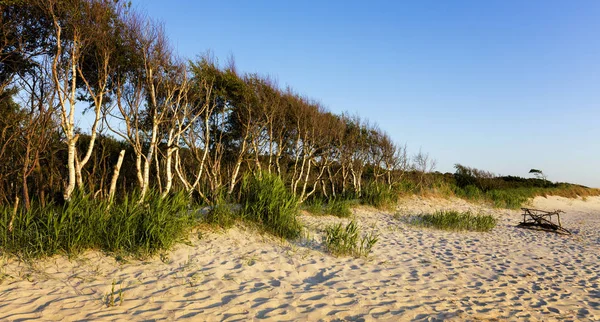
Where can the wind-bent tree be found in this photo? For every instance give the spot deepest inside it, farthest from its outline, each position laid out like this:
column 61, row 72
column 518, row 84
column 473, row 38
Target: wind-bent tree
column 539, row 174
column 191, row 126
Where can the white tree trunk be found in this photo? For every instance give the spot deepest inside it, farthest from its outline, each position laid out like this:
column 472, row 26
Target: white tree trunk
column 113, row 182
column 148, row 160
column 169, row 172
column 238, row 164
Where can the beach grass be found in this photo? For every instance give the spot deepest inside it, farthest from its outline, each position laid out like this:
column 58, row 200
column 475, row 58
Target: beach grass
column 515, row 198
column 127, row 226
column 380, row 196
column 221, row 215
column 456, row 221
column 334, row 207
column 266, row 201
column 345, row 240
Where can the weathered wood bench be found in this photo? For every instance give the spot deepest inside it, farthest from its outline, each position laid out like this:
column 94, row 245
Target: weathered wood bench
column 542, row 220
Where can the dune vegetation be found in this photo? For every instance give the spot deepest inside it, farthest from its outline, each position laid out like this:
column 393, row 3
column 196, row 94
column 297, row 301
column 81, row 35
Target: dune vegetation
column 343, row 240
column 454, row 220
column 170, row 135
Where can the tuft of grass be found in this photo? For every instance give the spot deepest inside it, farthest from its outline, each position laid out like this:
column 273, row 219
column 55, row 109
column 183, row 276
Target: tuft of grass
column 266, row 200
column 343, row 240
column 111, row 300
column 379, row 196
column 454, row 220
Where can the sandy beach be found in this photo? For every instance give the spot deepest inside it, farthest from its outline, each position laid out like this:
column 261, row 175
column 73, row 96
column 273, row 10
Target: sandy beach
column 413, row 274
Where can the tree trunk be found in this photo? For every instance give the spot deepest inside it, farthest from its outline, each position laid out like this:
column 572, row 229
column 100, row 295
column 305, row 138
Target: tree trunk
column 113, row 182
column 169, row 172
column 71, row 166
column 236, row 170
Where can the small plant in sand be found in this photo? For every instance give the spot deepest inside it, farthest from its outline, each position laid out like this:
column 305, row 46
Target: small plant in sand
column 343, row 240
column 455, row 220
column 114, row 297
column 250, row 260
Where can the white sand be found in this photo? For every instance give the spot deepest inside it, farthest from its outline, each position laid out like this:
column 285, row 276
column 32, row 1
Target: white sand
column 413, row 274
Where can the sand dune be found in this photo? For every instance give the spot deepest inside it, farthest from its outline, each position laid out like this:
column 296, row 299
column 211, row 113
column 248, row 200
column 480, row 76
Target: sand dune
column 413, row 274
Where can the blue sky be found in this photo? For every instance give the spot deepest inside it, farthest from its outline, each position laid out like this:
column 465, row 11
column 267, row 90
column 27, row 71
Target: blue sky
column 504, row 86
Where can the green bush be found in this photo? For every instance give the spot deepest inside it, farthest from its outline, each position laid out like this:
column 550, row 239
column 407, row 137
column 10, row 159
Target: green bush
column 454, row 220
column 266, row 201
column 85, row 223
column 379, row 196
column 346, row 240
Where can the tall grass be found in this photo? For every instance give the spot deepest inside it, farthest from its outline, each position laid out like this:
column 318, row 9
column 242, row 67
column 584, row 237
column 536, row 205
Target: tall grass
column 343, row 240
column 86, row 223
column 515, row 198
column 335, row 207
column 266, row 200
column 380, row 195
column 221, row 215
column 510, row 198
column 454, row 220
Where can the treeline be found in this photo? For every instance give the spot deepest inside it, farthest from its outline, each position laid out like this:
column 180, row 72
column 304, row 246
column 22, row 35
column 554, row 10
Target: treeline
column 509, row 191
column 159, row 122
column 164, row 124
column 166, row 133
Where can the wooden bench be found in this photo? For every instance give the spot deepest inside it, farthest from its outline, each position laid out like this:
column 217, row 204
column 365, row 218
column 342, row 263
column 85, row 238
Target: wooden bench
column 542, row 220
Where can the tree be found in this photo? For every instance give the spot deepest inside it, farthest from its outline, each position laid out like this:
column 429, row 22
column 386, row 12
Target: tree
column 423, row 163
column 538, row 174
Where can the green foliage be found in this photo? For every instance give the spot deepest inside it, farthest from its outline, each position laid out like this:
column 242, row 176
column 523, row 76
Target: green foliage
column 515, row 198
column 469, row 192
column 266, row 200
column 510, row 198
column 335, row 207
column 406, row 187
column 150, row 226
column 315, row 207
column 339, row 208
column 110, row 298
column 220, row 215
column 343, row 240
column 454, row 220
column 85, row 223
column 380, row 196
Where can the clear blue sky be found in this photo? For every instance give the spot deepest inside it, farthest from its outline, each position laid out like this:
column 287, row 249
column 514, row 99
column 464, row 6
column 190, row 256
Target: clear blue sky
column 504, row 86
